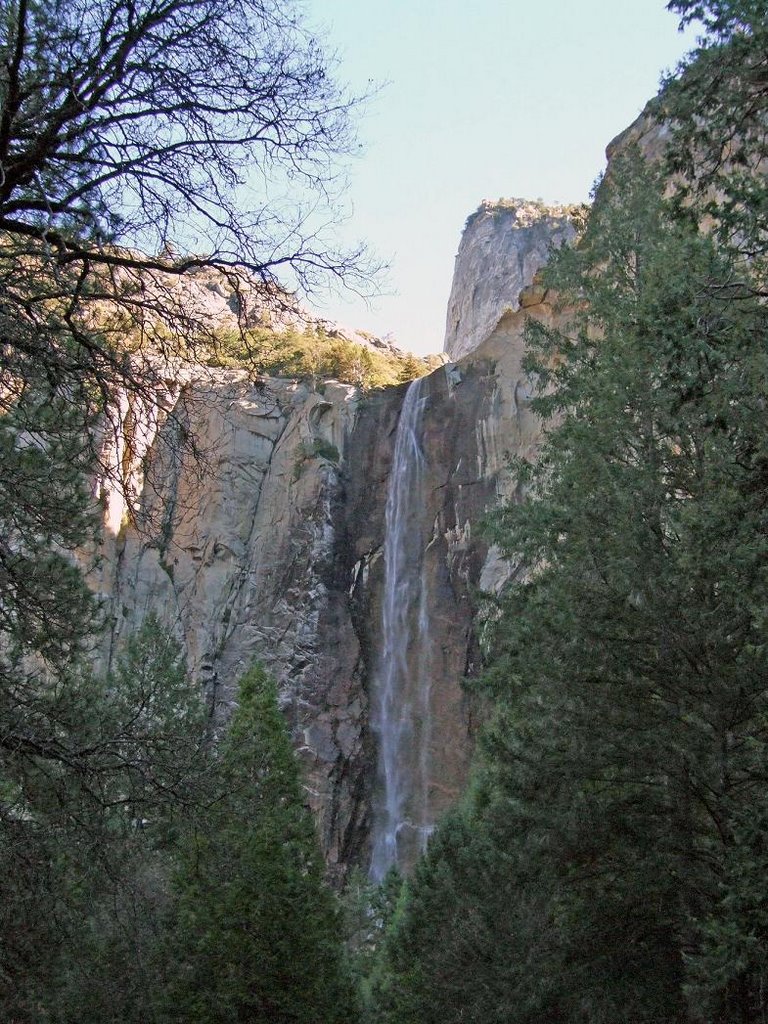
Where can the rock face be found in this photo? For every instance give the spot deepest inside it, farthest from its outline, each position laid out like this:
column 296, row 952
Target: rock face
column 267, row 543
column 648, row 134
column 233, row 546
column 474, row 415
column 503, row 245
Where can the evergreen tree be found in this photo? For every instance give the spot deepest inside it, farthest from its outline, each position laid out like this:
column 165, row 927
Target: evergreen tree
column 258, row 932
column 716, row 106
column 368, row 912
column 624, row 778
column 96, row 775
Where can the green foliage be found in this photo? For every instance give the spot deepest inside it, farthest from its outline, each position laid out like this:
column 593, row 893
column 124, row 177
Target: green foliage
column 317, row 354
column 322, row 449
column 257, row 932
column 150, row 878
column 412, row 367
column 44, row 510
column 452, row 953
column 611, row 864
column 97, row 774
column 719, row 144
column 318, row 448
column 368, row 912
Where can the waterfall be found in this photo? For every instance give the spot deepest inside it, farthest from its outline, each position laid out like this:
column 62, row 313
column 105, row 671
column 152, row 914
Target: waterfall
column 401, row 685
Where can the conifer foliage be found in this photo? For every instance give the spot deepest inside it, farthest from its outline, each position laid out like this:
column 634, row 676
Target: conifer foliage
column 610, row 863
column 96, row 774
column 717, row 102
column 258, row 935
column 160, row 879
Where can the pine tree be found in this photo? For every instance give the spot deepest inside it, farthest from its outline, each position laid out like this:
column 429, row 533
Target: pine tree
column 624, row 776
column 641, row 632
column 715, row 105
column 104, row 770
column 258, row 936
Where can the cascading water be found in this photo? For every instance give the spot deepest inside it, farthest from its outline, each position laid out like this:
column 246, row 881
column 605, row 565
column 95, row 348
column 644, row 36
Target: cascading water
column 401, row 691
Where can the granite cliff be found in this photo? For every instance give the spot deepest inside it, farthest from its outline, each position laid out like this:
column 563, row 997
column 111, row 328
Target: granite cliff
column 267, row 543
column 503, row 244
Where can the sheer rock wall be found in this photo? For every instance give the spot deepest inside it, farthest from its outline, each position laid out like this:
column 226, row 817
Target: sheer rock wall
column 267, row 545
column 233, row 547
column 477, row 414
column 503, row 244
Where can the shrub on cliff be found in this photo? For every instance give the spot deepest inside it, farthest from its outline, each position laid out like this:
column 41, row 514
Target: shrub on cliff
column 314, row 353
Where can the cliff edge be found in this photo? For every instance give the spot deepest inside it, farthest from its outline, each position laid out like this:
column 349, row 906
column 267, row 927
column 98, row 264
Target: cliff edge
column 503, row 245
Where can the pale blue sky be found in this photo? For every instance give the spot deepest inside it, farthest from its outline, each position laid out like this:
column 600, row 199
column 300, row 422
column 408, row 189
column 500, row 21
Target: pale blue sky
column 500, row 98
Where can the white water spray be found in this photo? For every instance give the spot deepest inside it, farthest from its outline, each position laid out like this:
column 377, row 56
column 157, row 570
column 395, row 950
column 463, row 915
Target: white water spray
column 401, row 690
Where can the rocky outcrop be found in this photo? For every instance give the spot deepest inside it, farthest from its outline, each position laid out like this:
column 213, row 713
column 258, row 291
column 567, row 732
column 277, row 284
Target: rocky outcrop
column 503, row 245
column 649, row 134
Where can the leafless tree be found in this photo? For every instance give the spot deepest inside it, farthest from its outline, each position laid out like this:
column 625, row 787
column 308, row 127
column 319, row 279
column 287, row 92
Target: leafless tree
column 143, row 144
column 153, row 124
